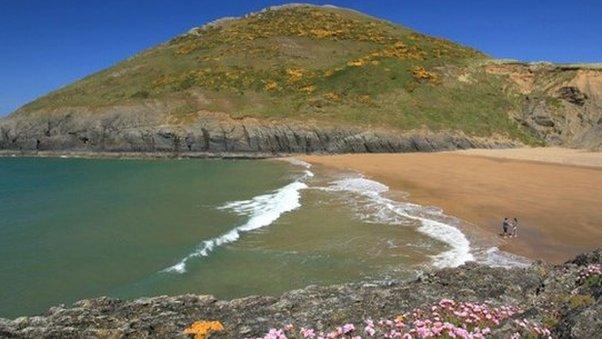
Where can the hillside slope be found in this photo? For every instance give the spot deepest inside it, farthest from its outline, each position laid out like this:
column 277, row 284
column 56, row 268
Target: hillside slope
column 308, row 79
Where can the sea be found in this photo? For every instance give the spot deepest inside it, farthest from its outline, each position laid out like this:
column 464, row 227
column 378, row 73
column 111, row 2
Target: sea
column 73, row 228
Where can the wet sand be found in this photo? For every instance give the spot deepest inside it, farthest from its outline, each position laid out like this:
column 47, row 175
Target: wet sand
column 555, row 193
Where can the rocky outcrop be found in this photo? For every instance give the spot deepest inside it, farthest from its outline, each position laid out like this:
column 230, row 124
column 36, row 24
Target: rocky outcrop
column 562, row 104
column 147, row 131
column 572, row 95
column 553, row 295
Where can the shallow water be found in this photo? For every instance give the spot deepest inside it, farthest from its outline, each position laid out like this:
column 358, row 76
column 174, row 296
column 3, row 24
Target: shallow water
column 76, row 228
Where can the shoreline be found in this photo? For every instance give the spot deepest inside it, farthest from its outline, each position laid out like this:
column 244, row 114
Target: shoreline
column 482, row 225
column 483, row 188
column 139, row 155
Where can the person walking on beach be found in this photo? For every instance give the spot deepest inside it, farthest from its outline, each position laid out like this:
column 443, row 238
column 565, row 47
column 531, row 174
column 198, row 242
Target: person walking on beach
column 505, row 225
column 515, row 227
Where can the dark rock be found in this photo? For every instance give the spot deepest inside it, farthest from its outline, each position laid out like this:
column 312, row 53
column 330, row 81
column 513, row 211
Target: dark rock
column 585, row 323
column 545, row 121
column 572, row 95
column 217, row 136
column 592, row 257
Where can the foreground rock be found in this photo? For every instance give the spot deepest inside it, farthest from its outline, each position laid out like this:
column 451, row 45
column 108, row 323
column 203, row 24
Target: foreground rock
column 553, row 296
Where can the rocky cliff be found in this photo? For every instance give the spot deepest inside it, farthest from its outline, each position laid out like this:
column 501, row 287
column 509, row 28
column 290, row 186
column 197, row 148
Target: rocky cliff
column 562, row 104
column 562, row 299
column 219, row 134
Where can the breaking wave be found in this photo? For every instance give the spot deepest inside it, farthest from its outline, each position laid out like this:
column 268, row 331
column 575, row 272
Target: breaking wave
column 372, row 204
column 388, row 211
column 262, row 211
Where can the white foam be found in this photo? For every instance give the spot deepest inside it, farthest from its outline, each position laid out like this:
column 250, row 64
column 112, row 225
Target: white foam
column 262, row 210
column 495, row 257
column 360, row 185
column 460, row 246
column 394, row 212
column 297, row 162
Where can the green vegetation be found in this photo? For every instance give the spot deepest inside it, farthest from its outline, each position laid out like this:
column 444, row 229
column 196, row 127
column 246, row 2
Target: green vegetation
column 578, row 301
column 594, row 282
column 309, row 62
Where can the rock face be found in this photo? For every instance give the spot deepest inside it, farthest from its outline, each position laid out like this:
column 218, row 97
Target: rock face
column 572, row 95
column 145, row 131
column 548, row 294
column 562, row 104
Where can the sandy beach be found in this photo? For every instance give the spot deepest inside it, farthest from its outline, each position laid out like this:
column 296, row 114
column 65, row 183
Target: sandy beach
column 555, row 193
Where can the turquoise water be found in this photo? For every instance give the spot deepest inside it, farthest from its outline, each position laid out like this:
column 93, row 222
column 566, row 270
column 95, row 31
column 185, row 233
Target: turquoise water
column 77, row 228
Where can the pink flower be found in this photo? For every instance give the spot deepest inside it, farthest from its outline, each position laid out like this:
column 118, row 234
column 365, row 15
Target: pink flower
column 348, row 328
column 393, row 334
column 275, row 334
column 437, row 330
column 369, row 331
column 307, row 333
column 446, row 302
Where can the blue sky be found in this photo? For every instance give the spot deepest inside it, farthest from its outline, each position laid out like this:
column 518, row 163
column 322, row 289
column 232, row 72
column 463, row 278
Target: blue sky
column 48, row 44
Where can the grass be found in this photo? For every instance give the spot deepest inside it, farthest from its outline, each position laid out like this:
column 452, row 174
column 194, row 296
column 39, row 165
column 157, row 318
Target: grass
column 298, row 62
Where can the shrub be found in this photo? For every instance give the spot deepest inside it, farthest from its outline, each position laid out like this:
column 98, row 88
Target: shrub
column 140, row 94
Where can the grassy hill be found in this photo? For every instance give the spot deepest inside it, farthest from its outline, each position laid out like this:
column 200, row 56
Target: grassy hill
column 306, row 62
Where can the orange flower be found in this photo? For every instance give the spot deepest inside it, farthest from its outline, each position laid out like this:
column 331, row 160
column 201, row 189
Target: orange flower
column 202, row 329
